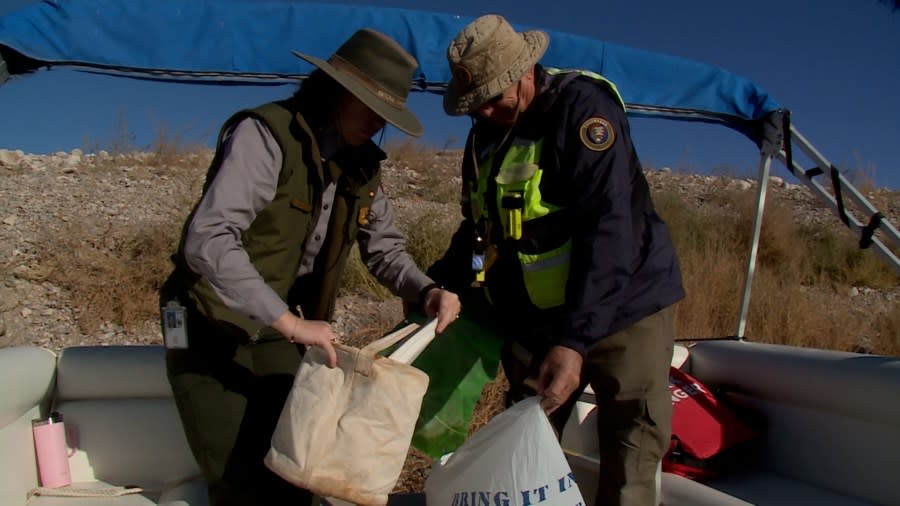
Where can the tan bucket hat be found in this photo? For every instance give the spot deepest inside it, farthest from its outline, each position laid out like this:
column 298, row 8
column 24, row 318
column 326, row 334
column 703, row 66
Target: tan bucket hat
column 487, row 57
column 378, row 71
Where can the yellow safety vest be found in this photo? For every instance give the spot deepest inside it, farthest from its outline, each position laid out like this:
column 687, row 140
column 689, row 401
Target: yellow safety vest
column 518, row 200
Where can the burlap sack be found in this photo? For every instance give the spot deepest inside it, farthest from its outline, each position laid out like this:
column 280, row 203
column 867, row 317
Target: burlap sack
column 345, row 432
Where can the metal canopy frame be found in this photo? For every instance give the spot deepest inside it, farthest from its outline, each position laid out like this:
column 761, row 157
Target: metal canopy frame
column 777, row 145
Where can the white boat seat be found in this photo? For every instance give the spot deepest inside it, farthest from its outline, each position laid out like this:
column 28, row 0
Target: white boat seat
column 830, row 436
column 124, row 500
column 745, row 489
column 191, row 493
column 125, row 429
column 26, row 382
column 740, row 489
column 831, row 418
column 680, row 491
column 768, row 488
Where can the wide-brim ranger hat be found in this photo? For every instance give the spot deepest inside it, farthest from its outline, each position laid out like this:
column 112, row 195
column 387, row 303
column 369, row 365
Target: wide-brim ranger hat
column 487, row 57
column 377, row 71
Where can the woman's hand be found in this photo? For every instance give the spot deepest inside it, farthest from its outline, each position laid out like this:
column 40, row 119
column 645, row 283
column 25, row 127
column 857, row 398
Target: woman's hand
column 308, row 332
column 444, row 304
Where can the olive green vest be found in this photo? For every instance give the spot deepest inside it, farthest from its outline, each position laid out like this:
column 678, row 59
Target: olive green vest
column 518, row 201
column 275, row 240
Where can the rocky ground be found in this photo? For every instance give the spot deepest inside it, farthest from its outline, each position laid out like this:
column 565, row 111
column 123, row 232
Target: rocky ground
column 43, row 196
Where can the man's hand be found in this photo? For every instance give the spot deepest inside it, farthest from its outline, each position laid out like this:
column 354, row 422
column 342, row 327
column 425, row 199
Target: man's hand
column 444, row 304
column 560, row 375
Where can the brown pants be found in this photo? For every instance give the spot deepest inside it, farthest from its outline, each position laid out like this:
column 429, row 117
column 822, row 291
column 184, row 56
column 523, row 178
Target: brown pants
column 629, row 373
column 229, row 396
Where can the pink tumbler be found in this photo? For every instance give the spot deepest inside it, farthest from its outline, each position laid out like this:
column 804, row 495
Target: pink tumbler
column 52, row 453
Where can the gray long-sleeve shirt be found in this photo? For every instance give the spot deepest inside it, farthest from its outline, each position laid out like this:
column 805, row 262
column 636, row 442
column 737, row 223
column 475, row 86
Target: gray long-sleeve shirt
column 244, row 185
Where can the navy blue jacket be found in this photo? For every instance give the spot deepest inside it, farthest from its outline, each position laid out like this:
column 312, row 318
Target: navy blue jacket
column 623, row 264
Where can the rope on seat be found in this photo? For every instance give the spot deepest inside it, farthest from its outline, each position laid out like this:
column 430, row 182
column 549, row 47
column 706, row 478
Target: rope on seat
column 83, row 491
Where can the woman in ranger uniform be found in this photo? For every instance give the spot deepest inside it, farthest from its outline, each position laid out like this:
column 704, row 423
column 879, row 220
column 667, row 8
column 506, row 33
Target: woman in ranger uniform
column 565, row 250
column 292, row 186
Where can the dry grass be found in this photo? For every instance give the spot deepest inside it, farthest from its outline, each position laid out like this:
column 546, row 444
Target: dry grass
column 356, row 279
column 113, row 274
column 889, row 326
column 801, row 271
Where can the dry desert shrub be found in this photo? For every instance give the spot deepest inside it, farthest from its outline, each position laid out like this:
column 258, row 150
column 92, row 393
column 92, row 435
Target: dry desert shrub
column 85, row 263
column 113, row 274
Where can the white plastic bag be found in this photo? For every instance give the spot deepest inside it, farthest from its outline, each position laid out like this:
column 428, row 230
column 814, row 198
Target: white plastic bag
column 514, row 460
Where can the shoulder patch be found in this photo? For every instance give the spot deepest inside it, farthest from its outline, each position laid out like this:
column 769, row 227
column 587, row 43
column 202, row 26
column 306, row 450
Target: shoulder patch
column 597, row 134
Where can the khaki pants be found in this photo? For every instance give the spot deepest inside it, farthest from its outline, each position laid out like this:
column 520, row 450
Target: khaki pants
column 629, row 373
column 229, row 396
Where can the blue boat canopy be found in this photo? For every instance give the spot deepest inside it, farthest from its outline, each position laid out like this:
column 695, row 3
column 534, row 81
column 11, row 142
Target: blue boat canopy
column 231, row 41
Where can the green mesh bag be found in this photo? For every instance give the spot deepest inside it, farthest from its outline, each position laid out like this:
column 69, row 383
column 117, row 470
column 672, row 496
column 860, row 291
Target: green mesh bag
column 459, row 362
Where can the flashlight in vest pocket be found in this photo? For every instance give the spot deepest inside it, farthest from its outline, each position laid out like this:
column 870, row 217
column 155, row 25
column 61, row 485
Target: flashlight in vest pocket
column 512, row 204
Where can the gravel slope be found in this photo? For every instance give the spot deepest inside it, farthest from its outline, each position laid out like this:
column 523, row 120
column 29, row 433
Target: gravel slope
column 41, row 196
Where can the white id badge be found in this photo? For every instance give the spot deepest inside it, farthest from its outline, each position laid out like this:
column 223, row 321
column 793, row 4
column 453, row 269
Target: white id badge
column 174, row 330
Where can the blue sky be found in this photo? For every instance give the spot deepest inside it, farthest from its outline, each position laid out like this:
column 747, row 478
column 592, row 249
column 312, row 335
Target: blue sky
column 834, row 63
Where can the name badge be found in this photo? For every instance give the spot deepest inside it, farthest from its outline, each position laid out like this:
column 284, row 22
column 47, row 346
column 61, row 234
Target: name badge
column 174, row 329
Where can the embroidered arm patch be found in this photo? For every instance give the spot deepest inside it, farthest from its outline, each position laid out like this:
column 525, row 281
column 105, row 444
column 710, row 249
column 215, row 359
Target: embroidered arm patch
column 597, row 134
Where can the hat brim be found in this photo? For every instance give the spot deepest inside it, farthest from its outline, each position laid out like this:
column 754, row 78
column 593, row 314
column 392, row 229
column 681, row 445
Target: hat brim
column 403, row 119
column 456, row 104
